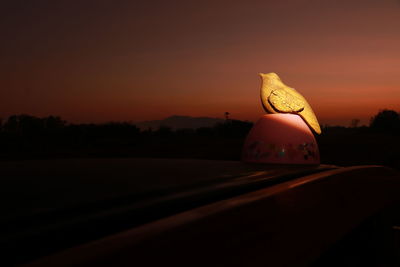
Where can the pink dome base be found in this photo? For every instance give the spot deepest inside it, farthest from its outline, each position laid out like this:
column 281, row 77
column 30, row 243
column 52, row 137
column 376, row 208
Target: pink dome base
column 281, row 139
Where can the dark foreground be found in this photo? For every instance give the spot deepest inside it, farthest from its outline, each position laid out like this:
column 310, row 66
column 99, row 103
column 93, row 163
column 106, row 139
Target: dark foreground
column 197, row 212
column 26, row 137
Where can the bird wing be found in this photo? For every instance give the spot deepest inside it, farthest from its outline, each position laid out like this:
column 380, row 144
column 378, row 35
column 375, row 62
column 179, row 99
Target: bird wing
column 283, row 101
column 277, row 97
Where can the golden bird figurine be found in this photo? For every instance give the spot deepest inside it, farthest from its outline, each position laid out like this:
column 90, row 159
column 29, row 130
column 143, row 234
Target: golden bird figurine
column 276, row 97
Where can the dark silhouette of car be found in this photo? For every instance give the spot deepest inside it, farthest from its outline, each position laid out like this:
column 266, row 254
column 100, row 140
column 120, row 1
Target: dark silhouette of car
column 152, row 212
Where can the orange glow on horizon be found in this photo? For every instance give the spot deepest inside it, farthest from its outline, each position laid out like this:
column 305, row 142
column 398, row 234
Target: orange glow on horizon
column 145, row 61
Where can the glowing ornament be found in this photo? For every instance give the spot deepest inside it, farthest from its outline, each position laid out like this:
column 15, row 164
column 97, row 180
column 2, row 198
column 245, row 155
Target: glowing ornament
column 282, row 137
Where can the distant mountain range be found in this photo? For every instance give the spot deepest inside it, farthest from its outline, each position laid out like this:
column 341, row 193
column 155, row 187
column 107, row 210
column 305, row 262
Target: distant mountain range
column 180, row 122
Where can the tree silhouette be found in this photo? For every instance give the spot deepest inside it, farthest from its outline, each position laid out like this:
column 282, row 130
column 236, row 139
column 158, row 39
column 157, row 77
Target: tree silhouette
column 354, row 123
column 233, row 128
column 54, row 122
column 164, row 131
column 11, row 125
column 227, row 115
column 386, row 120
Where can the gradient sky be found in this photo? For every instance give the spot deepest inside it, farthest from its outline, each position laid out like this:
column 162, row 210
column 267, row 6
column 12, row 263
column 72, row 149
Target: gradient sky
column 97, row 61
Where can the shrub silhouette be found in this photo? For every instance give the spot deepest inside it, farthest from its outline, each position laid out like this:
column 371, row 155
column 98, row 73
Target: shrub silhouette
column 386, row 120
column 29, row 137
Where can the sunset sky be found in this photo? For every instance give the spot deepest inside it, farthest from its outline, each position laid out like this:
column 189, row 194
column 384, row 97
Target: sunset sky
column 98, row 61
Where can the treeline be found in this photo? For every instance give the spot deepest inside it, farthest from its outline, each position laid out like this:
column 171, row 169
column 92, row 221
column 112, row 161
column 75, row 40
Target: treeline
column 386, row 121
column 378, row 143
column 25, row 136
column 29, row 137
column 30, row 126
column 26, row 125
